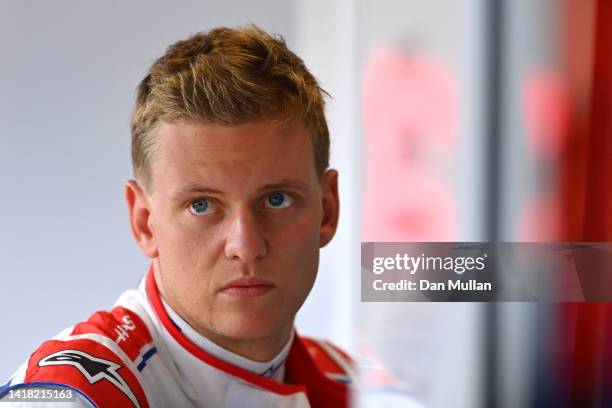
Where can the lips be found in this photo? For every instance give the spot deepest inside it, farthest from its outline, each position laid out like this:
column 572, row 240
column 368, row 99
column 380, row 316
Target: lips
column 247, row 287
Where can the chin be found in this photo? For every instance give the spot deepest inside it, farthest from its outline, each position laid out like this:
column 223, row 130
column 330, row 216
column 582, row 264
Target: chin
column 250, row 326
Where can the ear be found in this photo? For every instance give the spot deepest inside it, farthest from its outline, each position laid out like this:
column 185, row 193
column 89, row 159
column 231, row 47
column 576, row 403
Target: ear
column 331, row 207
column 140, row 219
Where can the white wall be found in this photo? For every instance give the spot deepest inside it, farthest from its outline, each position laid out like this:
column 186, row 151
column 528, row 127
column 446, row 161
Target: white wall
column 68, row 71
column 326, row 35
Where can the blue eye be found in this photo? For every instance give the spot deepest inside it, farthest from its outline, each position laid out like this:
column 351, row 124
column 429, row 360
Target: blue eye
column 278, row 200
column 199, row 207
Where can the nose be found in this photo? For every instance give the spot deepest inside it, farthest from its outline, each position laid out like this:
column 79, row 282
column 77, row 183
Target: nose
column 245, row 240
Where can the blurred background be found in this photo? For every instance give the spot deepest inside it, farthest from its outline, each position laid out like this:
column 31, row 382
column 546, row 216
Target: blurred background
column 465, row 120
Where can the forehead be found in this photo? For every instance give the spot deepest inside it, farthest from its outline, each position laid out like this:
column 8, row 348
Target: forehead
column 244, row 156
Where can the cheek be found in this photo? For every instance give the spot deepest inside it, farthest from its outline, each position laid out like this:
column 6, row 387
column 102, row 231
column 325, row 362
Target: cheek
column 301, row 264
column 185, row 246
column 303, row 234
column 305, row 226
column 298, row 246
column 176, row 241
column 186, row 255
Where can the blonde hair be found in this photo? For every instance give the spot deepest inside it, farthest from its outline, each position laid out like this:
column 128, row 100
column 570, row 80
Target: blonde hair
column 227, row 76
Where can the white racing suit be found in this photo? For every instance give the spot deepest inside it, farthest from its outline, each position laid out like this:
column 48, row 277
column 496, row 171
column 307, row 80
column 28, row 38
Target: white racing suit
column 141, row 354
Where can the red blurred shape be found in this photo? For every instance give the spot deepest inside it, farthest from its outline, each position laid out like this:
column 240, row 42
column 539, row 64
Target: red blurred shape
column 410, row 115
column 547, row 112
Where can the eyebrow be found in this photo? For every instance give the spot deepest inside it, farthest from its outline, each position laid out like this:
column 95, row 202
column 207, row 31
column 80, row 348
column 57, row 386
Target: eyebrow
column 200, row 189
column 195, row 188
column 300, row 185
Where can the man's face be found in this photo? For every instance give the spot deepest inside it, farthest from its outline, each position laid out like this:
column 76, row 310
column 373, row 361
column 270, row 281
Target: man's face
column 236, row 217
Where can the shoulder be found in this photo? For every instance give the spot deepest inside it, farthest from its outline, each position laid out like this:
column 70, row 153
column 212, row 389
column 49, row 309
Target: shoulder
column 330, row 359
column 99, row 358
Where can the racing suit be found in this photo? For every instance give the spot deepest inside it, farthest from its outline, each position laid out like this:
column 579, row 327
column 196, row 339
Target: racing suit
column 142, row 354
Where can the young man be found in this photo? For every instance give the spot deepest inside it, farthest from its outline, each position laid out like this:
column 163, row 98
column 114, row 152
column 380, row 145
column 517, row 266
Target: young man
column 232, row 199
